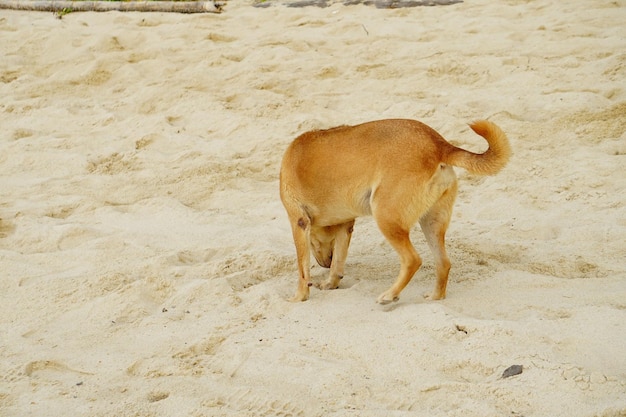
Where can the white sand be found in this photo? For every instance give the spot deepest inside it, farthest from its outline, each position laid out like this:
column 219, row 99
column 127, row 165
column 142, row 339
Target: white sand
column 146, row 259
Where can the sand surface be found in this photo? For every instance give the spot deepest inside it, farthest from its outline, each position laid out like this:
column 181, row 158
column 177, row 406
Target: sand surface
column 146, row 259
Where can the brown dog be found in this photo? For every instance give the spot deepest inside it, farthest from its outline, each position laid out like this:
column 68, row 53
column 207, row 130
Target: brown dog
column 399, row 171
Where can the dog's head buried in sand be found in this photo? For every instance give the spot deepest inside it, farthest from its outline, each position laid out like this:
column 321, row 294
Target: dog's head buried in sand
column 398, row 171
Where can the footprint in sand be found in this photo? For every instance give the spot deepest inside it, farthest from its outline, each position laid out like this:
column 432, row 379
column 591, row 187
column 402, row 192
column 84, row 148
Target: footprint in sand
column 6, row 228
column 50, row 369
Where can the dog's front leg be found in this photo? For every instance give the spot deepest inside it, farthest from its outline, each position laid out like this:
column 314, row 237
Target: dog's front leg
column 301, row 229
column 343, row 235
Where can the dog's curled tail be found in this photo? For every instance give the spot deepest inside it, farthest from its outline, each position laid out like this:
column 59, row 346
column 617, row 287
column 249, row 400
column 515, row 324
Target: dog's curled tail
column 492, row 160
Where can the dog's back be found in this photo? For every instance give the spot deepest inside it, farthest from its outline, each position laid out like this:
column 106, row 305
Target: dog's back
column 401, row 143
column 360, row 155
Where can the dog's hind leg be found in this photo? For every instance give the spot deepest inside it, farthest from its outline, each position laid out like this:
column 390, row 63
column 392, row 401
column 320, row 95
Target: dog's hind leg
column 434, row 225
column 343, row 234
column 410, row 261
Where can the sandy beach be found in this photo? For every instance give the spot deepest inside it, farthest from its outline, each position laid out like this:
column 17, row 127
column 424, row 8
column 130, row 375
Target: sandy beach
column 146, row 260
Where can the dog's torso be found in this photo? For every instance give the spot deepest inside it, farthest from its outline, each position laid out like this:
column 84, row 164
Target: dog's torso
column 336, row 173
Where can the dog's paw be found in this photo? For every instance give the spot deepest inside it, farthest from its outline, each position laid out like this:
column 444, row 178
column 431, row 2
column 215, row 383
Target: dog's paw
column 299, row 297
column 329, row 284
column 434, row 296
column 386, row 298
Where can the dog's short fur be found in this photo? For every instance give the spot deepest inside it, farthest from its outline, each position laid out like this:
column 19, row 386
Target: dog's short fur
column 399, row 171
